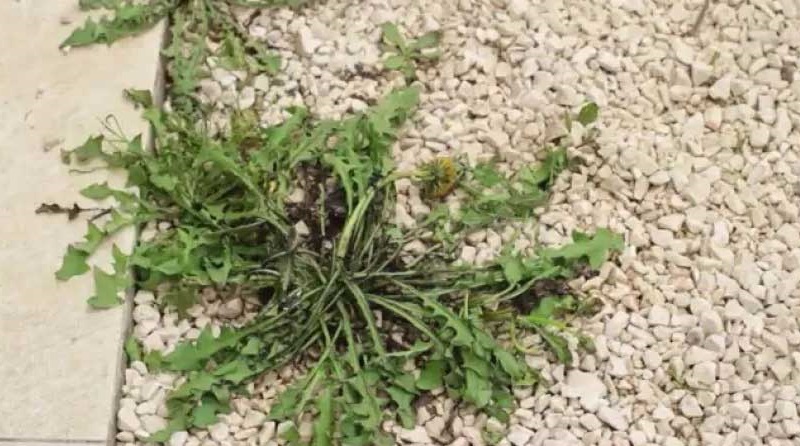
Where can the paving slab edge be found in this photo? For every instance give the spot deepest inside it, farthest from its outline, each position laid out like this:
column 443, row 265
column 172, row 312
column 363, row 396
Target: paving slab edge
column 158, row 91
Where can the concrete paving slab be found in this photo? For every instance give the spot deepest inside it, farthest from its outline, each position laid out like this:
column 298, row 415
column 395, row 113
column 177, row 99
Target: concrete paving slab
column 59, row 361
column 49, row 443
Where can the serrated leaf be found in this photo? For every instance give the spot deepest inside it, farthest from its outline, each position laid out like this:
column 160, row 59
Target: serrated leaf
column 91, row 149
column 595, row 248
column 401, row 397
column 73, row 264
column 235, row 371
column 116, row 222
column 141, row 98
column 106, row 293
column 92, row 240
column 588, row 114
column 206, row 414
column 88, row 34
column 286, row 404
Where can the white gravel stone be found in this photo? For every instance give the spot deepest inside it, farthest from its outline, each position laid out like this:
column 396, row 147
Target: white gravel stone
column 612, row 417
column 690, row 407
column 590, row 422
column 219, row 431
column 254, row 418
column 127, row 420
column 178, row 438
column 519, row 436
column 416, row 435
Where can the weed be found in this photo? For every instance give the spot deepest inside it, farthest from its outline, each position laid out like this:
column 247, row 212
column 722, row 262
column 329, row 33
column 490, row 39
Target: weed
column 403, row 55
column 232, row 225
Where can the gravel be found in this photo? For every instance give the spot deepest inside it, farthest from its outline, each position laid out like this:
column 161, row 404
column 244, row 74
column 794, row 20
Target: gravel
column 697, row 165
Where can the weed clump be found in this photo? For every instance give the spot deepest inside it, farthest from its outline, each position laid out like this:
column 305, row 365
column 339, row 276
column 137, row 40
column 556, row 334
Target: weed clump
column 300, row 214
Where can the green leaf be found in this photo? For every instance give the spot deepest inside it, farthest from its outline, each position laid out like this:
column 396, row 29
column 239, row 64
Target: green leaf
column 395, row 62
column 91, row 149
column 550, row 308
column 93, row 238
column 487, row 175
column 120, row 261
column 478, row 390
column 181, row 299
column 391, row 35
column 510, row 364
column 596, row 248
column 167, row 182
column 557, row 344
column 287, row 402
column 219, row 274
column 235, row 371
column 513, row 268
column 132, row 349
column 476, row 363
column 401, row 397
column 188, row 356
column 206, row 414
column 427, row 40
column 198, row 383
column 431, row 376
column 98, row 191
column 117, row 222
column 323, row 426
column 253, row 347
column 89, row 33
column 141, row 98
column 588, row 114
column 73, row 264
column 105, row 290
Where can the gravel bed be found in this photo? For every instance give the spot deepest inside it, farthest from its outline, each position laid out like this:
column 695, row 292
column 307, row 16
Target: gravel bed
column 697, row 166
